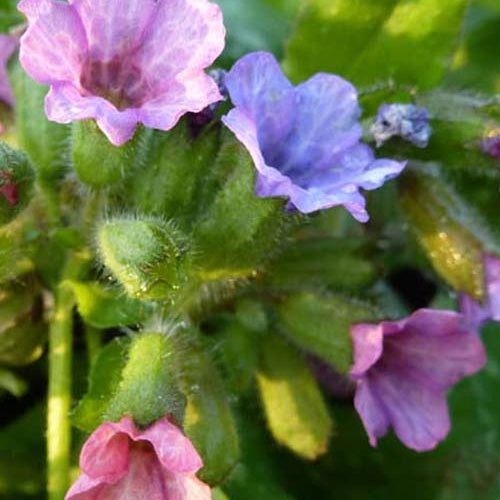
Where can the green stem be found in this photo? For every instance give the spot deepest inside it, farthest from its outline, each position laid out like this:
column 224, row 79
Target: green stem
column 59, row 397
column 59, row 392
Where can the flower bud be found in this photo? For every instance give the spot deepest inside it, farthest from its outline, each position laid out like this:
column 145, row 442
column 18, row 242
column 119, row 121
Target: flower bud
column 146, row 256
column 148, row 389
column 446, row 230
column 16, row 183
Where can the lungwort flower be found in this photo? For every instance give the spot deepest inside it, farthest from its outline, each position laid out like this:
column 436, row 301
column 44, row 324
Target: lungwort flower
column 8, row 45
column 404, row 369
column 404, row 120
column 304, row 140
column 123, row 62
column 118, row 462
column 477, row 313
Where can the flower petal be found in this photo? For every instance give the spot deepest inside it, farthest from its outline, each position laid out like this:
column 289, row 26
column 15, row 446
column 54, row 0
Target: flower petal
column 175, row 451
column 492, row 267
column 418, row 413
column 52, row 25
column 368, row 340
column 85, row 488
column 325, row 123
column 114, row 27
column 371, row 411
column 105, row 455
column 183, row 38
column 259, row 88
column 186, row 487
column 8, row 45
column 65, row 104
column 475, row 314
column 164, row 111
column 439, row 360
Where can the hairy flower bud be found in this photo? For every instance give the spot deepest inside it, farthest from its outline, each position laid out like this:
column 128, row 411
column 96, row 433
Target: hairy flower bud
column 146, row 256
column 16, row 183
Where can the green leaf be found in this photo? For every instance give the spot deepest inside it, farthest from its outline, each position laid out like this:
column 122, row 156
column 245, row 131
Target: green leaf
column 476, row 64
column 148, row 389
column 12, row 383
column 16, row 250
column 22, row 456
column 239, row 352
column 321, row 324
column 255, row 25
column 365, row 41
column 22, row 331
column 295, row 410
column 47, row 143
column 331, row 262
column 103, row 307
column 104, row 378
column 89, row 142
column 257, row 474
column 331, row 34
column 239, row 230
column 218, row 494
column 175, row 170
column 208, row 419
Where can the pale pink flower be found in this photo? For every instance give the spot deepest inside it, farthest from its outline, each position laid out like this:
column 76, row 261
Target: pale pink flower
column 123, row 62
column 118, row 461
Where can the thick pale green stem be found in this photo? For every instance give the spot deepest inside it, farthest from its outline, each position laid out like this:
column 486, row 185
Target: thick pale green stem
column 59, row 397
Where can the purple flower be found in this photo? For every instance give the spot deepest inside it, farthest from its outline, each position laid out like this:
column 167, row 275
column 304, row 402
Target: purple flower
column 404, row 120
column 123, row 62
column 8, row 45
column 304, row 140
column 491, row 144
column 475, row 313
column 404, row 369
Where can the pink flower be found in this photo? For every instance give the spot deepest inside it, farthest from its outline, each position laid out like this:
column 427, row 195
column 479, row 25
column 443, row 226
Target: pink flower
column 123, row 62
column 404, row 369
column 118, row 461
column 8, row 45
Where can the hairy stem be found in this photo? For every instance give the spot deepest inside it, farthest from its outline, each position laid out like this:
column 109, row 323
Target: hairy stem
column 59, row 397
column 59, row 392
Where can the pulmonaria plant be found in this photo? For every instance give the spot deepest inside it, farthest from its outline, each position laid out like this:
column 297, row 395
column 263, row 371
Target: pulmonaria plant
column 123, row 62
column 118, row 461
column 477, row 313
column 404, row 369
column 404, row 120
column 304, row 140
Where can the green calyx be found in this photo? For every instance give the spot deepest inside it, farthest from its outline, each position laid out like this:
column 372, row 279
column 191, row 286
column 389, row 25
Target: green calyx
column 146, row 256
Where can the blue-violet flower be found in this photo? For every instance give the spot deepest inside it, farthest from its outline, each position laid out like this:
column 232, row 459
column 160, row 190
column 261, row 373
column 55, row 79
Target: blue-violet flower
column 304, row 140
